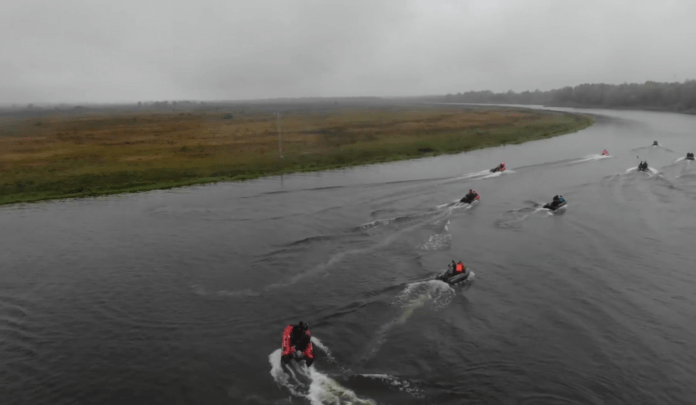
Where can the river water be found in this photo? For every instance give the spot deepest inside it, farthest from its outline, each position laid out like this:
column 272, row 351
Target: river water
column 181, row 296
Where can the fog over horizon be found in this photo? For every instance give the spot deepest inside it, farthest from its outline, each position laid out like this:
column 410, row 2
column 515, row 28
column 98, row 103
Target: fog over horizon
column 79, row 51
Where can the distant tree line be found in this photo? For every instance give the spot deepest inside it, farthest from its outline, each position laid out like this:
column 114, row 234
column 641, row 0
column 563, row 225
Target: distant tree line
column 650, row 95
column 166, row 104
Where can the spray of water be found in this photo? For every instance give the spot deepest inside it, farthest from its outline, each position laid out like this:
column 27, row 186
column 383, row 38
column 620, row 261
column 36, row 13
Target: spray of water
column 399, row 384
column 310, row 383
column 414, row 296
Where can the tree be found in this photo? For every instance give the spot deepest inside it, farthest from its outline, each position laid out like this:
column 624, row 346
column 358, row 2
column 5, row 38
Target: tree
column 673, row 96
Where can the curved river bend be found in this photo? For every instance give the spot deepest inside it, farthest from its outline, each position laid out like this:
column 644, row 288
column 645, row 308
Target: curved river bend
column 180, row 297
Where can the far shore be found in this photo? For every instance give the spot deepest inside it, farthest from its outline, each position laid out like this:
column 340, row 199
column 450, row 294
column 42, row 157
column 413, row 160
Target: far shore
column 100, row 153
column 577, row 106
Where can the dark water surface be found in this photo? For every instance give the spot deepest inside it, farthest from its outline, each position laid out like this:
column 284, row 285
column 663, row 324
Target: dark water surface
column 180, row 297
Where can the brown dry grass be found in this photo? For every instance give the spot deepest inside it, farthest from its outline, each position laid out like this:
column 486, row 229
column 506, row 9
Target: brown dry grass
column 94, row 154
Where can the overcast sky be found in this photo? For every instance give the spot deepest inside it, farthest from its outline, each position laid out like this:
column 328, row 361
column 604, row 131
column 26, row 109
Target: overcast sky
column 131, row 50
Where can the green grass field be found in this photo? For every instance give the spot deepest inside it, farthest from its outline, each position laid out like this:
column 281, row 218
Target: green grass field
column 65, row 156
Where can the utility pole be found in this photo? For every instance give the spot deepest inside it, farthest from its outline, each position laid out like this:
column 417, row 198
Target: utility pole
column 280, row 136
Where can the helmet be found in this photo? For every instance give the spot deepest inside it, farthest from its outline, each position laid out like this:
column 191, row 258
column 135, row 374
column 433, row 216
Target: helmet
column 303, row 326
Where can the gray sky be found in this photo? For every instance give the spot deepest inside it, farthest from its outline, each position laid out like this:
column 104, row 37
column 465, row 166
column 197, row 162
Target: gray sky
column 131, row 50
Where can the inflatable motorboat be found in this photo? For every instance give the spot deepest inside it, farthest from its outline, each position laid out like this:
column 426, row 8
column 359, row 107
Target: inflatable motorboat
column 470, row 198
column 643, row 167
column 452, row 278
column 689, row 156
column 605, row 153
column 499, row 168
column 297, row 344
column 556, row 204
column 655, row 143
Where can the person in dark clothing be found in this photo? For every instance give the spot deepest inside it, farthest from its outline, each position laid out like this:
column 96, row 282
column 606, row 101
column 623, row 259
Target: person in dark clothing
column 299, row 333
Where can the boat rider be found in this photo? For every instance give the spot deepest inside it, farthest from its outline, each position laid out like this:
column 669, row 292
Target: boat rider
column 451, row 267
column 456, row 268
column 300, row 336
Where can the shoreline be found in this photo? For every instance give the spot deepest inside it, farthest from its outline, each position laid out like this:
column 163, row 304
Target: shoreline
column 355, row 147
column 577, row 106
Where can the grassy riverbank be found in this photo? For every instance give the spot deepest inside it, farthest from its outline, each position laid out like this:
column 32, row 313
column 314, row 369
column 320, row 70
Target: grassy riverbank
column 105, row 153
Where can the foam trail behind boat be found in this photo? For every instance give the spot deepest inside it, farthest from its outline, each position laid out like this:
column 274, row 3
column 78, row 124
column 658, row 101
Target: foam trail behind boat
column 522, row 214
column 287, row 380
column 590, row 158
column 496, row 174
column 317, row 387
column 414, row 296
column 325, row 390
column 397, row 383
column 438, row 241
column 341, row 255
column 471, row 176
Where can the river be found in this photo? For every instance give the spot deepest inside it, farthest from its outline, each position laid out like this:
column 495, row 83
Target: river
column 181, row 296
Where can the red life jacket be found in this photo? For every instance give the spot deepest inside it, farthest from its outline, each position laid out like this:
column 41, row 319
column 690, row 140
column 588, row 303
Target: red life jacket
column 459, row 268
